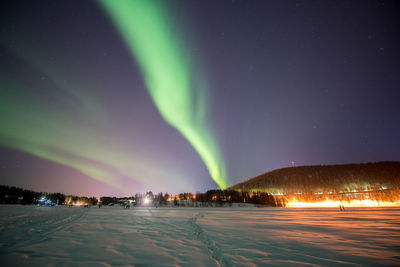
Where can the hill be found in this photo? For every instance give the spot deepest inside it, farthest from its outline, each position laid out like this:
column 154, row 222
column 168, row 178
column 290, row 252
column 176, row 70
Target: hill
column 329, row 178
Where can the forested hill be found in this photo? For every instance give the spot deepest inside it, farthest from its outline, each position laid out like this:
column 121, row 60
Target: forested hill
column 330, row 178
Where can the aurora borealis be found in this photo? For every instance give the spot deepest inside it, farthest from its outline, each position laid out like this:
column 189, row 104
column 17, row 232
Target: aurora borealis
column 181, row 102
column 118, row 97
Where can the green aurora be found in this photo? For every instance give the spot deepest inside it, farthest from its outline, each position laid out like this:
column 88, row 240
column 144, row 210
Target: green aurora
column 78, row 139
column 170, row 80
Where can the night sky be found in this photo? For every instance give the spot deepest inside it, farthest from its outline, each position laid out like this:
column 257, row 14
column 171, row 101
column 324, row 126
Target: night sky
column 101, row 99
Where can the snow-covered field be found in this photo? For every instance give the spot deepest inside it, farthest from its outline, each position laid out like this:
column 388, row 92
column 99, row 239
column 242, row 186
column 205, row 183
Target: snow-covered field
column 112, row 236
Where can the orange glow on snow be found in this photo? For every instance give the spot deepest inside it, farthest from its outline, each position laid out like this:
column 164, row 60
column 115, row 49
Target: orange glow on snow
column 336, row 203
column 78, row 203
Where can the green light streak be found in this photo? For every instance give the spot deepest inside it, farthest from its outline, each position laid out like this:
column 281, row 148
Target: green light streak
column 150, row 37
column 35, row 125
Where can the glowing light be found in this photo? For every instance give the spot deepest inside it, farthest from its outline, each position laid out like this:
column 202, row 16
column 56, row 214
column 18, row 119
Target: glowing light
column 175, row 90
column 79, row 203
column 146, row 200
column 336, row 203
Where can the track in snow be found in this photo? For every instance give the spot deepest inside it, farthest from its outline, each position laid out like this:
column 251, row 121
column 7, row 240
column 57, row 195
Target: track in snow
column 113, row 236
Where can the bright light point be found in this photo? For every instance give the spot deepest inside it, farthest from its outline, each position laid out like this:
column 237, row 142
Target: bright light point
column 146, row 200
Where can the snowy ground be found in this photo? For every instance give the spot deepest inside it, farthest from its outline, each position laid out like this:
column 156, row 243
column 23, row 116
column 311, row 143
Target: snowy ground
column 112, row 236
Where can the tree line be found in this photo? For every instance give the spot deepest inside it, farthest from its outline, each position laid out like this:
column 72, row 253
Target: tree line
column 16, row 195
column 210, row 198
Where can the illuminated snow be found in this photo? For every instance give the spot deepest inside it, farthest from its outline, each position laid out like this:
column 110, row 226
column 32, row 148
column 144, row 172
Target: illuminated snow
column 241, row 236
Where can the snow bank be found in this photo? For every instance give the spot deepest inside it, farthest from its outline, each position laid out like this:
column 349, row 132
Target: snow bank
column 113, row 236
